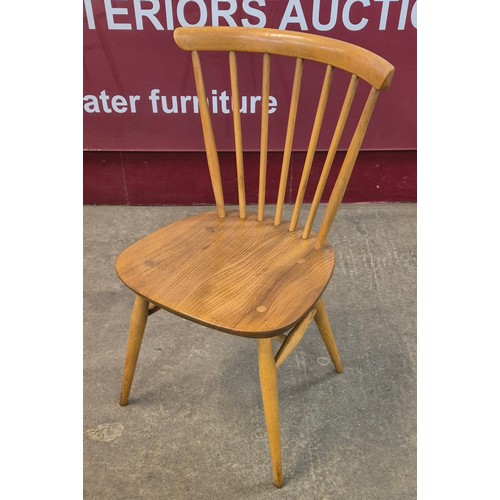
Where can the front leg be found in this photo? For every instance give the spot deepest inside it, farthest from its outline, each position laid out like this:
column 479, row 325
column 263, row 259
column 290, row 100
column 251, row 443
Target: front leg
column 269, row 389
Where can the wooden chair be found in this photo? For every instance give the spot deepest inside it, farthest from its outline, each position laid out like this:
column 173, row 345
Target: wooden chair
column 241, row 272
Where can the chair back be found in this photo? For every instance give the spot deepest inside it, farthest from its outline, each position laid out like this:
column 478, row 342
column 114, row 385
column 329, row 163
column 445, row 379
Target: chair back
column 335, row 54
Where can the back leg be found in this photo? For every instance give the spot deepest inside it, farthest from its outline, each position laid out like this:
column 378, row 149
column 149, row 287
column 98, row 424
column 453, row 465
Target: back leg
column 321, row 319
column 137, row 327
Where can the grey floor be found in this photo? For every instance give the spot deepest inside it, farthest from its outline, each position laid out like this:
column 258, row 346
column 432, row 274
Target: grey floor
column 194, row 427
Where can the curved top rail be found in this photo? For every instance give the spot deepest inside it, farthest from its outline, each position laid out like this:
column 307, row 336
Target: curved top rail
column 363, row 63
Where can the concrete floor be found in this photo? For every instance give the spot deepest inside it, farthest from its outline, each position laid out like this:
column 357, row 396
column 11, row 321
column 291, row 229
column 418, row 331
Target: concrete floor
column 194, row 427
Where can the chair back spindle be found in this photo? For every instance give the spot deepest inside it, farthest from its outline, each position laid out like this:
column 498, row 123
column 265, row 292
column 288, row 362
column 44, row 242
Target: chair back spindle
column 332, row 151
column 238, row 139
column 264, row 134
column 346, row 169
column 208, row 135
column 360, row 63
column 287, row 153
column 313, row 142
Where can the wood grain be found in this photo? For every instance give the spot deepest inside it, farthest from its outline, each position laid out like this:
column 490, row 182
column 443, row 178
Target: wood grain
column 241, row 276
column 137, row 327
column 293, row 338
column 346, row 169
column 357, row 60
column 323, row 324
column 264, row 134
column 242, row 273
column 313, row 142
column 238, row 137
column 290, row 130
column 208, row 135
column 280, row 338
column 152, row 309
column 332, row 151
column 269, row 390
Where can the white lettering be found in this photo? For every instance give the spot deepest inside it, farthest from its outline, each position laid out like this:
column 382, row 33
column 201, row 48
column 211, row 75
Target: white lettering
column 243, row 108
column 385, row 12
column 111, row 12
column 414, row 15
column 214, row 102
column 104, row 99
column 224, row 98
column 169, row 14
column 219, row 102
column 164, row 105
column 119, row 104
column 319, row 15
column 333, row 16
column 252, row 11
column 140, row 12
column 345, row 15
column 226, row 14
column 89, row 12
column 253, row 102
column 184, row 100
column 133, row 99
column 273, row 104
column 153, row 97
column 91, row 104
column 182, row 18
column 298, row 18
column 402, row 15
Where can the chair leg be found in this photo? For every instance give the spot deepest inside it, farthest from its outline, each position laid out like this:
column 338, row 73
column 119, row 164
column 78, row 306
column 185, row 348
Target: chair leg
column 321, row 319
column 137, row 326
column 269, row 388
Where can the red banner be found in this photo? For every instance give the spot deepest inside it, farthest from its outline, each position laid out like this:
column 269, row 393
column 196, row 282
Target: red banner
column 139, row 92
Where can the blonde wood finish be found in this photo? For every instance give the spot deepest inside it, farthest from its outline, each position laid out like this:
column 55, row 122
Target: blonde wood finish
column 346, row 169
column 313, row 142
column 242, row 273
column 280, row 338
column 137, row 326
column 238, row 138
column 334, row 53
column 361, row 62
column 241, row 276
column 332, row 151
column 269, row 389
column 208, row 135
column 323, row 324
column 152, row 308
column 293, row 339
column 287, row 153
column 264, row 134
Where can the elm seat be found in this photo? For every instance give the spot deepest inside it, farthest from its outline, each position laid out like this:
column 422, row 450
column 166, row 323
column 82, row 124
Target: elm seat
column 242, row 276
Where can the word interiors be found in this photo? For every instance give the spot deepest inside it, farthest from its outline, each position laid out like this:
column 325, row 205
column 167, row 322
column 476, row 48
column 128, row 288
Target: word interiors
column 218, row 102
column 325, row 15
